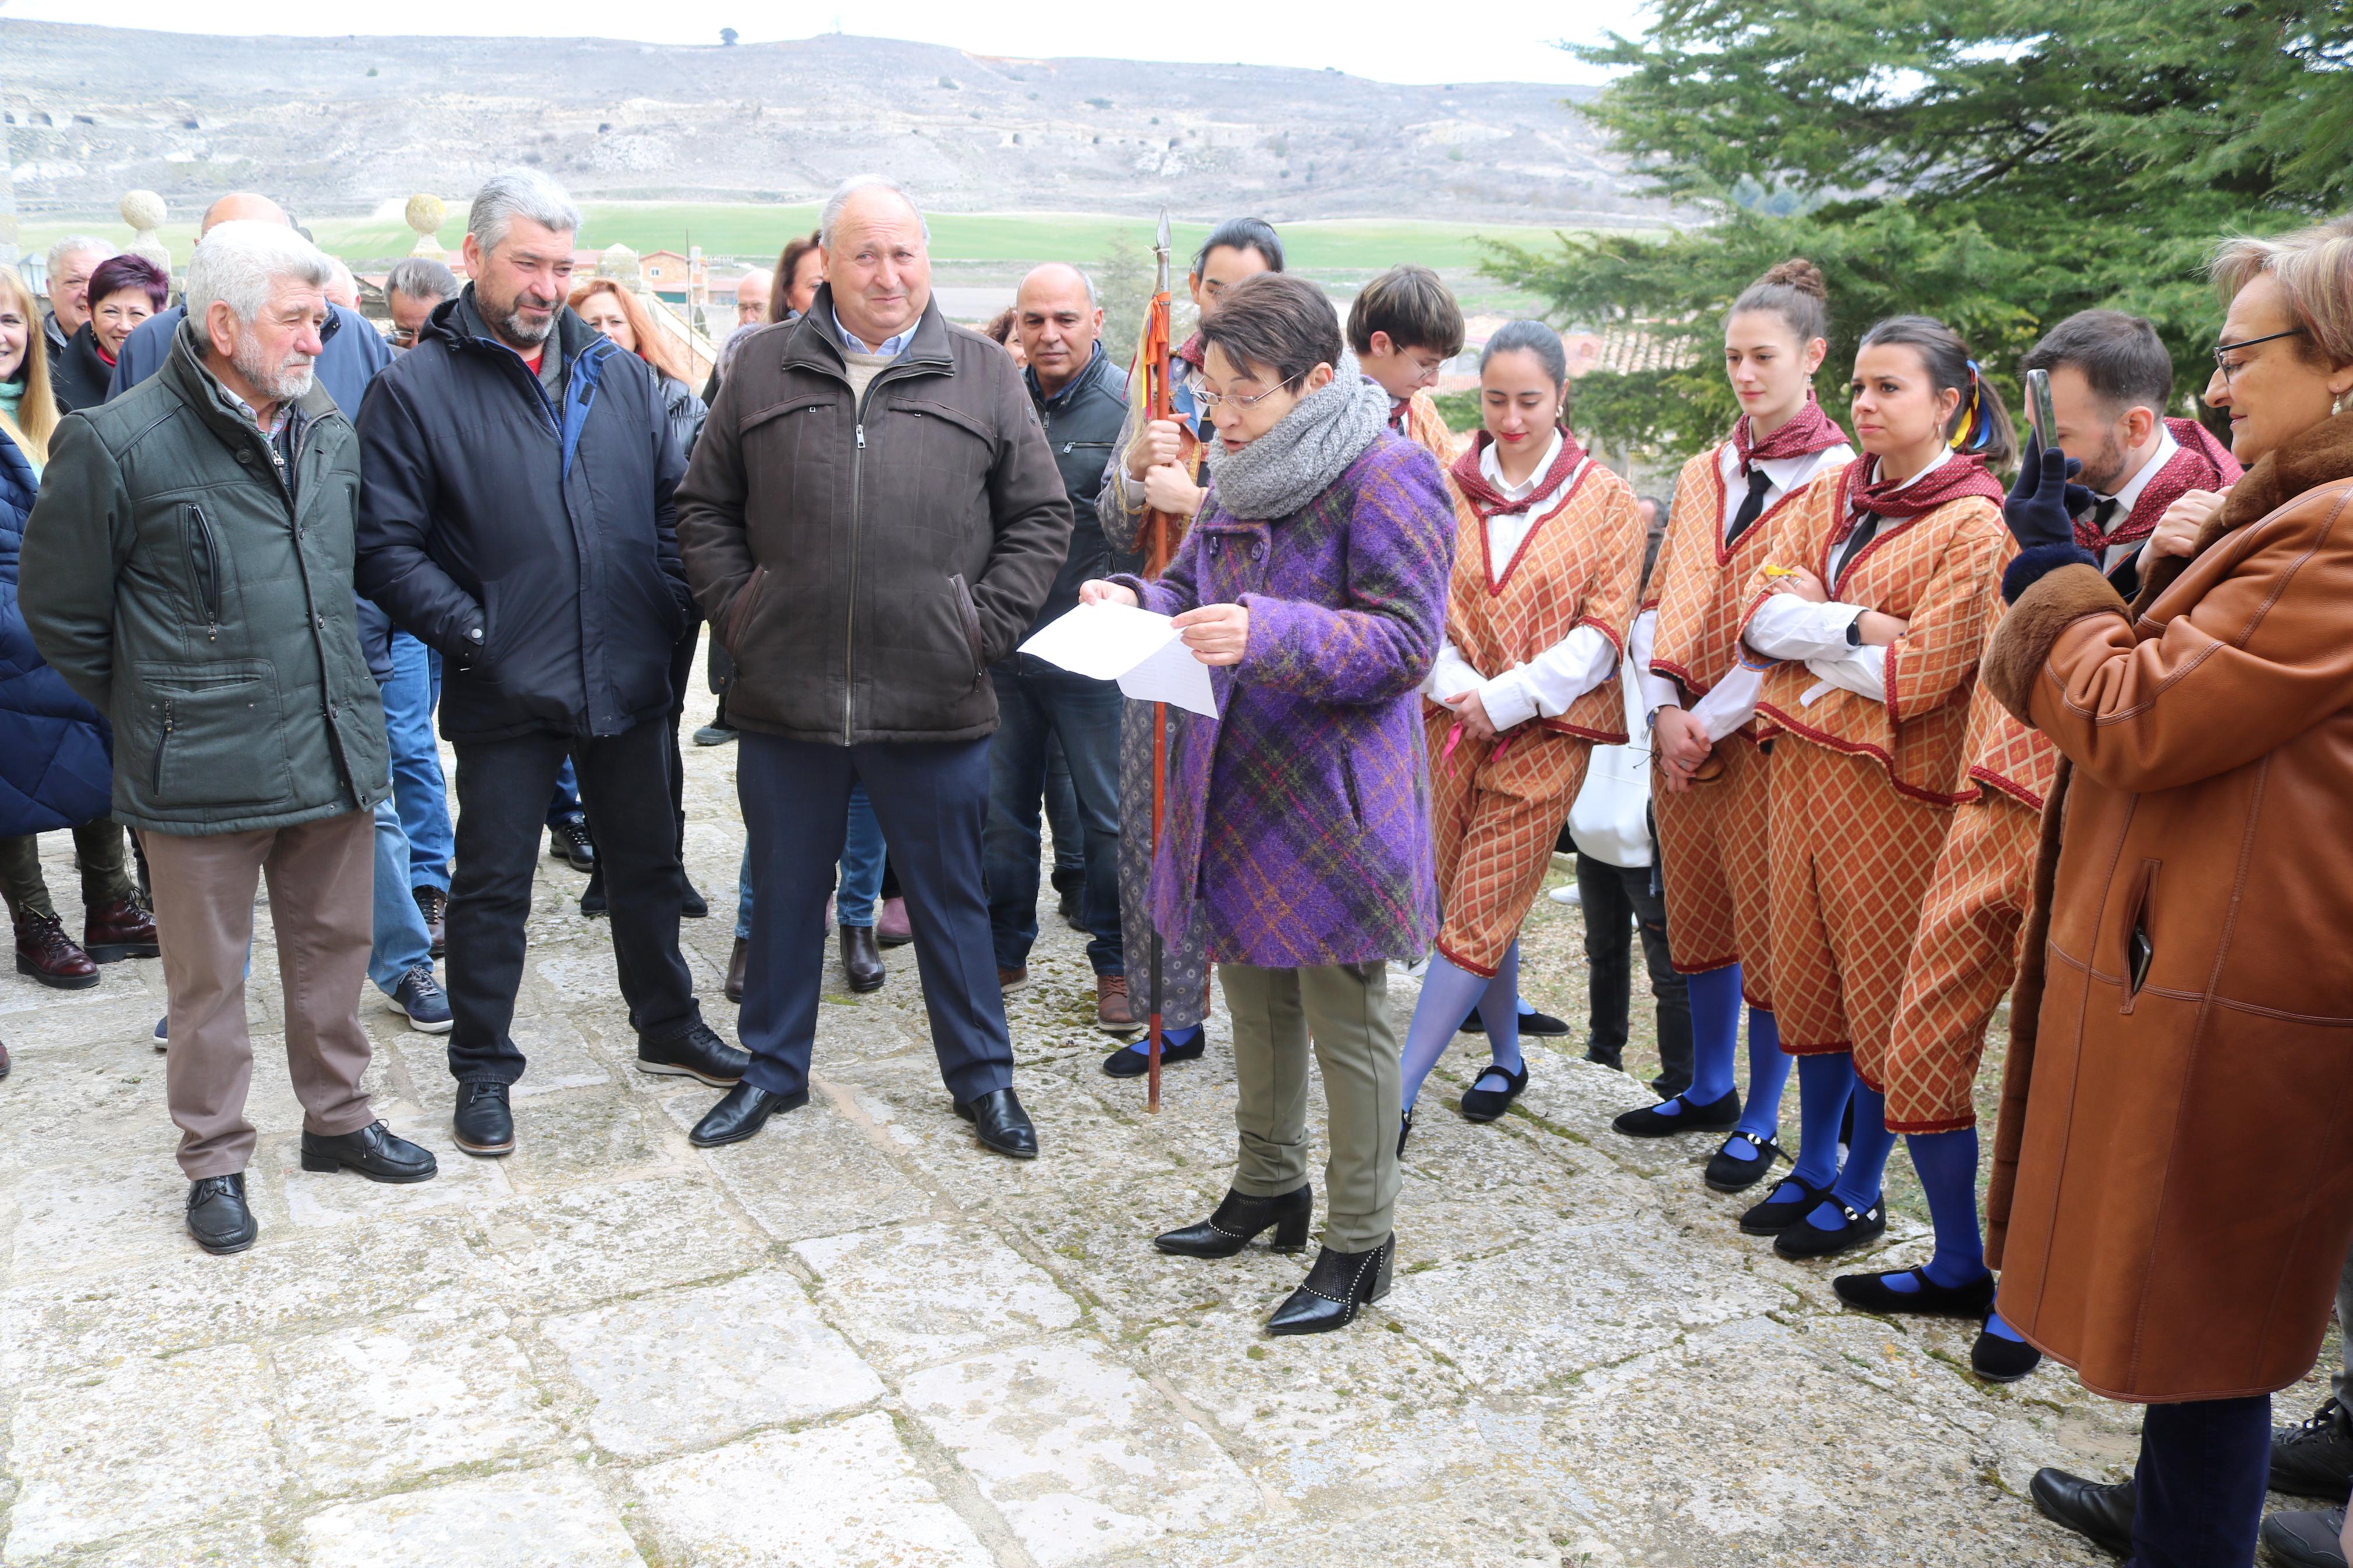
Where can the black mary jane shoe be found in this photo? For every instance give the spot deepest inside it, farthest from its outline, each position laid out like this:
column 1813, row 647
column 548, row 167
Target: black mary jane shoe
column 1544, row 1025
column 1134, row 1062
column 372, row 1151
column 2000, row 1359
column 1001, row 1123
column 1729, row 1172
column 2097, row 1511
column 1405, row 1130
column 1338, row 1284
column 1776, row 1215
column 741, row 1113
column 1872, row 1293
column 1239, row 1219
column 1487, row 1104
column 218, row 1216
column 1805, row 1240
column 1656, row 1122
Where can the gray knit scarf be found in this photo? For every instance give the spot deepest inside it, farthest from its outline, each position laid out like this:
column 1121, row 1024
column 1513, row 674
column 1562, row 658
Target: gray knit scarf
column 1291, row 465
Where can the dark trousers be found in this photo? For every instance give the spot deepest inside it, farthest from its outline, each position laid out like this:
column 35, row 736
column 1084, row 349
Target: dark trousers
column 105, row 879
column 2199, row 1487
column 1036, row 703
column 681, row 674
column 1618, row 900
column 503, row 789
column 932, row 799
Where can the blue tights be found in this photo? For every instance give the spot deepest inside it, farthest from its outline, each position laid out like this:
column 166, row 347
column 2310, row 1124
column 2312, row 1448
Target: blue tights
column 1825, row 1083
column 1449, row 992
column 1716, row 1005
column 1948, row 1165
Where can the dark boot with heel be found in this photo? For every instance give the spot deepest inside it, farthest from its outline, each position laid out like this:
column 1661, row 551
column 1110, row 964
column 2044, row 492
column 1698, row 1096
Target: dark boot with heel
column 1241, row 1217
column 1338, row 1284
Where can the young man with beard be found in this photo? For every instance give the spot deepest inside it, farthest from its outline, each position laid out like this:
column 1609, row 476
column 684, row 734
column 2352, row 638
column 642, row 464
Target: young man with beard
column 223, row 488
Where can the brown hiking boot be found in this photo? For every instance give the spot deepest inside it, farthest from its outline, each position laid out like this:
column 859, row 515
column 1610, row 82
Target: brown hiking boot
column 123, row 929
column 434, row 905
column 45, row 952
column 1115, row 1009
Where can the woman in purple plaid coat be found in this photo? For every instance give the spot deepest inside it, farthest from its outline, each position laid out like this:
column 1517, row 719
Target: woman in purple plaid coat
column 1313, row 586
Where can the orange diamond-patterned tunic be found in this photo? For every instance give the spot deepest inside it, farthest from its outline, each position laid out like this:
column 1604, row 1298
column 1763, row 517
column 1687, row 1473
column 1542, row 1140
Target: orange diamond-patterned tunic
column 1862, row 791
column 1713, row 836
column 1496, row 807
column 1425, row 427
column 1966, row 952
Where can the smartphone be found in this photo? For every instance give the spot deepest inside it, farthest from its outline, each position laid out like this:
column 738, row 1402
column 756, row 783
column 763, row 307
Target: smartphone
column 2038, row 408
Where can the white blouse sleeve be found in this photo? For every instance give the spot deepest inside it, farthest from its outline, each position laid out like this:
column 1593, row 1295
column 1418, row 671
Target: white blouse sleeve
column 1786, row 627
column 1549, row 682
column 1657, row 691
column 1730, row 702
column 1861, row 670
column 1452, row 676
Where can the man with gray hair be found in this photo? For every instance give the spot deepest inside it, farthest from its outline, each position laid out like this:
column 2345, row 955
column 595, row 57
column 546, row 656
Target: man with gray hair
column 70, row 262
column 187, row 569
column 415, row 288
column 517, row 517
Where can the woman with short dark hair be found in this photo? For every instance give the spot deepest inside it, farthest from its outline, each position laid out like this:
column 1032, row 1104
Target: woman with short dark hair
column 124, row 290
column 1313, row 583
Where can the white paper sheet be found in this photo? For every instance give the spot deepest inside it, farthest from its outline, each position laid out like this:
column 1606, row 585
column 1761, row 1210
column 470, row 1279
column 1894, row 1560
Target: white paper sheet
column 1139, row 649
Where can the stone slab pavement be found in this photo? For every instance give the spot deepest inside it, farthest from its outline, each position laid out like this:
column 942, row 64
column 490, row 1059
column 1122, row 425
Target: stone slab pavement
column 860, row 1340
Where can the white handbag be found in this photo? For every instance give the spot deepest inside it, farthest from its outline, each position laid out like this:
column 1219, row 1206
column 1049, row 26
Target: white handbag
column 1610, row 819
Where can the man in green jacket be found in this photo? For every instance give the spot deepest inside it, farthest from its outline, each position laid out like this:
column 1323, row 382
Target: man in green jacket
column 188, row 570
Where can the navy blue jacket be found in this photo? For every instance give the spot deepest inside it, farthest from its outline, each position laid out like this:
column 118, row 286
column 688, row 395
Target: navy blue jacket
column 533, row 544
column 351, row 353
column 56, row 767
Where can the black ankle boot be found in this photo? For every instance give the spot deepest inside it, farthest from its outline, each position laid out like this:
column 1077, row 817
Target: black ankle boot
column 1338, row 1284
column 1241, row 1217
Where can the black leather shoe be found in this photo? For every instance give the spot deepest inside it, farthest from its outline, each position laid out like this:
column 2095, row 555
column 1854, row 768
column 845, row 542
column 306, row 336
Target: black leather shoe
column 2306, row 1538
column 1542, row 1024
column 1872, row 1293
column 1129, row 1062
column 1651, row 1122
column 1482, row 1104
column 741, row 1113
column 1774, row 1216
column 569, row 842
column 1728, row 1172
column 698, row 1053
column 483, row 1124
column 1338, row 1284
column 1405, row 1130
column 1239, row 1219
column 218, row 1216
column 1804, row 1240
column 372, row 1151
column 2098, row 1512
column 861, row 959
column 593, row 902
column 692, row 904
column 739, row 969
column 2000, row 1359
column 2315, row 1458
column 1003, row 1126
column 1614, row 1060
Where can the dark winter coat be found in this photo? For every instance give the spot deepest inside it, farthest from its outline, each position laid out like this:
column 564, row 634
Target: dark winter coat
column 530, row 544
column 56, row 770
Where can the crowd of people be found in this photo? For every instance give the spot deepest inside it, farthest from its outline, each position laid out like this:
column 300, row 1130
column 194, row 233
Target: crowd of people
column 1861, row 733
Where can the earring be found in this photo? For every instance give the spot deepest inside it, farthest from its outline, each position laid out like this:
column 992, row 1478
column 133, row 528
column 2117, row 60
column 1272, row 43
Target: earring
column 2342, row 402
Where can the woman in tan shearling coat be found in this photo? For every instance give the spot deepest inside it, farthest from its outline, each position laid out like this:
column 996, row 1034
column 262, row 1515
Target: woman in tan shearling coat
column 2173, row 1185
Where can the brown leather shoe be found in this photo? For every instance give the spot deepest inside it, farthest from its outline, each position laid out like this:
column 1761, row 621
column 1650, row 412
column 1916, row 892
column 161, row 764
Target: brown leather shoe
column 434, row 905
column 1013, row 979
column 123, row 929
column 46, row 953
column 738, row 962
column 1115, row 1009
column 4, row 1062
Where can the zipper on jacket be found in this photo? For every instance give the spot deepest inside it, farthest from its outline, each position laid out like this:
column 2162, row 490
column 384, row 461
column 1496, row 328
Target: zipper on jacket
column 849, row 608
column 162, row 744
column 206, row 558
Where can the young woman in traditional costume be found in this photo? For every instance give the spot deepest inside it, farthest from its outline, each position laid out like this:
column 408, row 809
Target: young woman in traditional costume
column 1712, row 771
column 1873, row 608
column 1547, row 562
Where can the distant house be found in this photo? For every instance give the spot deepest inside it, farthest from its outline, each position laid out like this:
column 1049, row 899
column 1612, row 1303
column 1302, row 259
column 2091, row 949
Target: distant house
column 672, row 275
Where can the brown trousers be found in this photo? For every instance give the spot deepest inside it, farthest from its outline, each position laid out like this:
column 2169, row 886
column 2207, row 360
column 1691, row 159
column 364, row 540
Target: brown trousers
column 321, row 902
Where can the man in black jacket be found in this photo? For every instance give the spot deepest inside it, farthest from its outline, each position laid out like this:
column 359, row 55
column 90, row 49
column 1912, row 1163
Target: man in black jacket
column 1082, row 399
column 517, row 516
column 871, row 519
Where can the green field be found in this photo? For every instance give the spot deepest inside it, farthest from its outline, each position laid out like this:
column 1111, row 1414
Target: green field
column 983, row 240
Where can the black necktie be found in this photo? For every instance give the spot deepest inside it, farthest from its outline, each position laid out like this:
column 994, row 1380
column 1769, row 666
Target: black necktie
column 1864, row 533
column 2103, row 513
column 1752, row 505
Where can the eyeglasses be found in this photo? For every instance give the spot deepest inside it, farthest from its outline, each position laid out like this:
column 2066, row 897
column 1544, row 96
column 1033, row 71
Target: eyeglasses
column 1209, row 399
column 2230, row 370
column 404, row 337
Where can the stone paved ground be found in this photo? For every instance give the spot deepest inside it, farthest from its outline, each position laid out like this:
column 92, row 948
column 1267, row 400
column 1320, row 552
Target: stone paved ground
column 860, row 1340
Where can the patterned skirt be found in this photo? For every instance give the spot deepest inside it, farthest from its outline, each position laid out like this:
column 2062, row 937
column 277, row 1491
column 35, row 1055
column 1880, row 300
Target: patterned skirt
column 1714, row 844
column 1852, row 861
column 1493, row 820
column 1962, row 966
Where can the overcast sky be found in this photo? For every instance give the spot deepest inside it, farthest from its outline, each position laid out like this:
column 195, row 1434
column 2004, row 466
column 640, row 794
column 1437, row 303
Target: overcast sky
column 1417, row 42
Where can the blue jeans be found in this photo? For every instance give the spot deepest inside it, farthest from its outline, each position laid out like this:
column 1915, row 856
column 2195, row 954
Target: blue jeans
column 401, row 943
column 861, row 871
column 1037, row 701
column 564, row 805
column 931, row 798
column 418, row 785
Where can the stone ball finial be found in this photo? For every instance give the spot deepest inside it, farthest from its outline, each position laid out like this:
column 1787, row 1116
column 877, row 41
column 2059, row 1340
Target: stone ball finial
column 619, row 263
column 145, row 212
column 424, row 214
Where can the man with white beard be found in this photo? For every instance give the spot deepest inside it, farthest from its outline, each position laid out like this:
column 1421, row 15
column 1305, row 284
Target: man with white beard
column 187, row 569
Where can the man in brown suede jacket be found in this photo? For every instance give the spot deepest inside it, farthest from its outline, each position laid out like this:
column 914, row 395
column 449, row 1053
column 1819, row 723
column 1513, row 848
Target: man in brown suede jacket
column 872, row 519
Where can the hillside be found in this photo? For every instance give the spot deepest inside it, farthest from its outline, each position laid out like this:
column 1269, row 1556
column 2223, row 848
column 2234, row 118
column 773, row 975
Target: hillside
column 338, row 125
